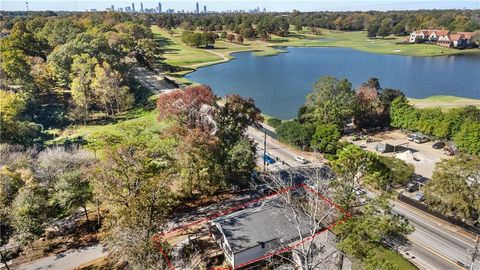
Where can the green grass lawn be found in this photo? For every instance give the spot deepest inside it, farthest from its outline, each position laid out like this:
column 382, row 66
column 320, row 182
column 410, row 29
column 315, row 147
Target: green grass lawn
column 85, row 131
column 395, row 258
column 177, row 54
column 444, row 102
column 359, row 41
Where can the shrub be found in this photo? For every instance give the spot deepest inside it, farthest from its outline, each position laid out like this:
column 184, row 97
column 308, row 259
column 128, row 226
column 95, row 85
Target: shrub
column 274, row 122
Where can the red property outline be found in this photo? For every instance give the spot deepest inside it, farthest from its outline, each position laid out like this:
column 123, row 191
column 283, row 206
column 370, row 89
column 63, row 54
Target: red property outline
column 244, row 205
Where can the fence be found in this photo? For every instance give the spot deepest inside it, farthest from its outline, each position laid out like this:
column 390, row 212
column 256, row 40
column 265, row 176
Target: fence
column 425, row 208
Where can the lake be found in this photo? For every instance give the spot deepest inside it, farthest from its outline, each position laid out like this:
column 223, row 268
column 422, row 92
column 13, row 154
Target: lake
column 280, row 83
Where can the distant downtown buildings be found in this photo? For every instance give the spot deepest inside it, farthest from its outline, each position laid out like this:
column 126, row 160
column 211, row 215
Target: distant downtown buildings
column 158, row 9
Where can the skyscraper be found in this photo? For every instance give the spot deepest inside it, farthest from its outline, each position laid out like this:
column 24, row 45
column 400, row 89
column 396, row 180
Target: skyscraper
column 113, row 8
column 197, row 9
column 205, row 9
column 141, row 7
column 133, row 7
column 159, row 7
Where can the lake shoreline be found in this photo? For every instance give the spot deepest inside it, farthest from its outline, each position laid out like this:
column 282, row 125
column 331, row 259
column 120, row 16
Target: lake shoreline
column 248, row 56
column 279, row 51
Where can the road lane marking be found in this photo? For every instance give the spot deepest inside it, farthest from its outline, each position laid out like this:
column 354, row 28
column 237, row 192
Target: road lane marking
column 446, row 259
column 433, row 225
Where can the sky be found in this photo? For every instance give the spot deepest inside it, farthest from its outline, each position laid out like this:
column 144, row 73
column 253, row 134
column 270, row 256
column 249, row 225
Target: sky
column 223, row 5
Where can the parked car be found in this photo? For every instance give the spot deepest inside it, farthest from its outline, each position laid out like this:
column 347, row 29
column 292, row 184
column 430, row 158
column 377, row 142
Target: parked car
column 448, row 150
column 412, row 136
column 421, row 139
column 419, row 179
column 268, row 159
column 411, row 187
column 420, row 197
column 438, row 145
column 301, row 160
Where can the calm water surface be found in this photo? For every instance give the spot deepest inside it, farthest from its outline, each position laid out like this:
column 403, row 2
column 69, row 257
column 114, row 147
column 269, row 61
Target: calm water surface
column 280, row 83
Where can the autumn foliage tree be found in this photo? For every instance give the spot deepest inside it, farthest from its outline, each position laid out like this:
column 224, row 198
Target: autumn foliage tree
column 211, row 137
column 189, row 107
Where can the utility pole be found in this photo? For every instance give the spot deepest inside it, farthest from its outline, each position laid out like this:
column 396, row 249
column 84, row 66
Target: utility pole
column 2, row 259
column 28, row 11
column 475, row 253
column 264, row 149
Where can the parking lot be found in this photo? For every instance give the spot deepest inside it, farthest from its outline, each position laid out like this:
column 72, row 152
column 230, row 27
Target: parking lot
column 422, row 156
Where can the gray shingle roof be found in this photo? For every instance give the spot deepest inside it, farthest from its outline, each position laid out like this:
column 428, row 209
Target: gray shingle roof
column 262, row 224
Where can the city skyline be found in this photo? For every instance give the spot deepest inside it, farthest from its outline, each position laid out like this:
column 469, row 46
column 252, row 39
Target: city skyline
column 218, row 6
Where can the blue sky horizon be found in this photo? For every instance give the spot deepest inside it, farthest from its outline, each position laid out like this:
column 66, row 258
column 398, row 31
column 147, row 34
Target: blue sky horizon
column 224, row 5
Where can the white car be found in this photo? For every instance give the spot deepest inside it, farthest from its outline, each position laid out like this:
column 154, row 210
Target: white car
column 301, row 160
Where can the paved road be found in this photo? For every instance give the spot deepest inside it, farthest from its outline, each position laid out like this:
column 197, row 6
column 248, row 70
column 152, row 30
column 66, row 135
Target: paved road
column 280, row 150
column 65, row 261
column 434, row 244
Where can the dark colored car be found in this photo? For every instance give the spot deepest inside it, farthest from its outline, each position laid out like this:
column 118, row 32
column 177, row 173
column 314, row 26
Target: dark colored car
column 438, row 145
column 411, row 187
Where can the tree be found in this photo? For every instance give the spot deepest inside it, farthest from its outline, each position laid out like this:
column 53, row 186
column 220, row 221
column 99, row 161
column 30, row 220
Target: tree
column 134, row 182
column 476, row 37
column 274, row 122
column 241, row 162
column 56, row 162
column 239, row 39
column 371, row 223
column 191, row 107
column 10, row 183
column 369, row 227
column 468, row 137
column 370, row 111
column 384, row 31
column 399, row 171
column 455, row 187
column 200, row 171
column 233, row 119
column 325, row 138
column 373, row 30
column 295, row 133
column 305, row 210
column 192, row 39
column 73, row 191
column 331, row 102
column 29, row 212
column 231, row 37
column 388, row 95
column 83, row 68
column 108, row 90
column 14, row 128
column 17, row 70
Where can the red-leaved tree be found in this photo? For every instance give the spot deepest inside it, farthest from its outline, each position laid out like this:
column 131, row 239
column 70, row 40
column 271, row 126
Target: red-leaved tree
column 192, row 107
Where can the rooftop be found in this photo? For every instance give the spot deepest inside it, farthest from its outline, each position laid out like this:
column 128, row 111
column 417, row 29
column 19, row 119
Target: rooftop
column 262, row 224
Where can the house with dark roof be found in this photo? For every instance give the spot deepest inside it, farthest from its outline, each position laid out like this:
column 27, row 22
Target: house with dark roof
column 247, row 236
